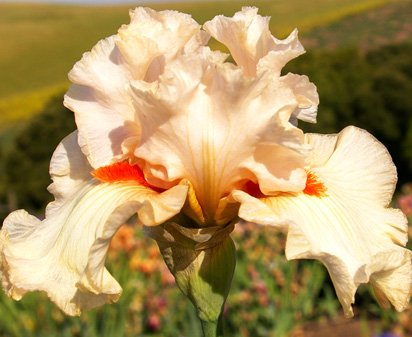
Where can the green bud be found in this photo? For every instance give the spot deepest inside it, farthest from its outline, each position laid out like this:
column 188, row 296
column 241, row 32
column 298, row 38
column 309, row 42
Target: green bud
column 202, row 261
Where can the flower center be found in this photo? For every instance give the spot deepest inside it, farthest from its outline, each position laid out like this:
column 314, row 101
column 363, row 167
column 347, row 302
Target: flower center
column 314, row 187
column 122, row 171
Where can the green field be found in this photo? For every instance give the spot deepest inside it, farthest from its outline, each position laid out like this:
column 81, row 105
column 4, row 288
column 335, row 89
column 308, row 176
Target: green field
column 367, row 30
column 41, row 43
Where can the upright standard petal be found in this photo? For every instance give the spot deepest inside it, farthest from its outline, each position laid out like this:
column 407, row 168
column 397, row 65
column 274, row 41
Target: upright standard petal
column 342, row 217
column 249, row 40
column 306, row 95
column 256, row 51
column 206, row 122
column 166, row 80
column 153, row 38
column 101, row 79
column 64, row 254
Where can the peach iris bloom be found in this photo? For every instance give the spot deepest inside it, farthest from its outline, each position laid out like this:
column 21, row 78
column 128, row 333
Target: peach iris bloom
column 167, row 126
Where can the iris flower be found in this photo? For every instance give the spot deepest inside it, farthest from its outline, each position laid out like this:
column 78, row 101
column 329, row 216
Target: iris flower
column 168, row 129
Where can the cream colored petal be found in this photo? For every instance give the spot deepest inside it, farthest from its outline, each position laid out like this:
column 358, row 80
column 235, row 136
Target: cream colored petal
column 373, row 180
column 153, row 38
column 350, row 240
column 281, row 52
column 101, row 103
column 69, row 171
column 277, row 167
column 196, row 42
column 325, row 146
column 390, row 285
column 207, row 122
column 100, row 95
column 349, row 229
column 249, row 40
column 64, row 254
column 306, row 96
column 254, row 210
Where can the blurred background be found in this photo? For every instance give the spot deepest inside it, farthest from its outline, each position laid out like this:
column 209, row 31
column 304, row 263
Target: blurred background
column 359, row 55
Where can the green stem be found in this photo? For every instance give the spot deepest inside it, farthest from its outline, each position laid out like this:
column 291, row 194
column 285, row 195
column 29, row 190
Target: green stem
column 213, row 329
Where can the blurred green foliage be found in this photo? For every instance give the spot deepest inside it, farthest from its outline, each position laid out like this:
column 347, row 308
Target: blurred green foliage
column 26, row 165
column 19, row 108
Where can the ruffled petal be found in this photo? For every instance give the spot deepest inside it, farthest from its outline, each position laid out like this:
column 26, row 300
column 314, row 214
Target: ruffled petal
column 281, row 52
column 391, row 285
column 347, row 226
column 153, row 38
column 100, row 100
column 64, row 254
column 202, row 124
column 157, row 72
column 250, row 42
column 101, row 79
column 306, row 96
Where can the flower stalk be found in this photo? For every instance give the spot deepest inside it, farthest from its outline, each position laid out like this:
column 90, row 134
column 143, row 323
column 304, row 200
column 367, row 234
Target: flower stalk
column 213, row 329
column 202, row 262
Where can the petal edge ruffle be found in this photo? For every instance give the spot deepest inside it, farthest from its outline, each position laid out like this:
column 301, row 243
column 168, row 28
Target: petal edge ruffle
column 350, row 228
column 64, row 254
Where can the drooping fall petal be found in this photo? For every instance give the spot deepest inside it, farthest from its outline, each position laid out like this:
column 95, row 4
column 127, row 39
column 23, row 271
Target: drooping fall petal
column 64, row 254
column 345, row 221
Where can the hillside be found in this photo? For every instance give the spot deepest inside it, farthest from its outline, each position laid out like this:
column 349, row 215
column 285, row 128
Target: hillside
column 365, row 30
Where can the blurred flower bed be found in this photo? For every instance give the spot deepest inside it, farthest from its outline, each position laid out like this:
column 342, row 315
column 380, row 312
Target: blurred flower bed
column 270, row 296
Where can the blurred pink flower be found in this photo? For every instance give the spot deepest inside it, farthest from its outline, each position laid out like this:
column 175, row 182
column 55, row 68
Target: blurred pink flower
column 154, row 323
column 405, row 204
